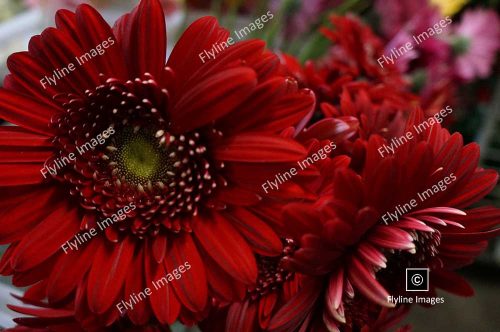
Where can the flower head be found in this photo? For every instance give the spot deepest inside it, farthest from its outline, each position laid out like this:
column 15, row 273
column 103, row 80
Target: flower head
column 163, row 160
column 350, row 82
column 274, row 288
column 476, row 42
column 400, row 211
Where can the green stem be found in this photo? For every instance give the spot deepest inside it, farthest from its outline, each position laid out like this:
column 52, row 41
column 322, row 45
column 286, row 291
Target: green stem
column 278, row 23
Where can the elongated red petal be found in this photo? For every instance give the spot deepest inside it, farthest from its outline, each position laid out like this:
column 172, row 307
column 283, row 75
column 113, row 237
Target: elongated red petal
column 159, row 247
column 335, row 289
column 291, row 315
column 199, row 36
column 26, row 112
column 260, row 236
column 145, row 52
column 70, row 269
column 134, row 284
column 107, row 275
column 93, row 30
column 258, row 148
column 26, row 73
column 213, row 98
column 221, row 283
column 241, row 317
column 266, row 306
column 371, row 255
column 365, row 282
column 233, row 254
column 18, row 137
column 164, row 302
column 391, row 237
column 19, row 215
column 44, row 240
column 191, row 287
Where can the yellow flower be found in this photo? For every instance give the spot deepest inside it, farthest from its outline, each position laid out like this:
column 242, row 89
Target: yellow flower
column 449, row 7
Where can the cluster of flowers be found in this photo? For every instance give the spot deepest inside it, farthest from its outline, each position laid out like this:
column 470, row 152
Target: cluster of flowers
column 464, row 52
column 194, row 142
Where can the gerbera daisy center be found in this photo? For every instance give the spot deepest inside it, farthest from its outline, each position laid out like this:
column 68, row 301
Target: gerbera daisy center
column 168, row 175
column 272, row 275
column 139, row 158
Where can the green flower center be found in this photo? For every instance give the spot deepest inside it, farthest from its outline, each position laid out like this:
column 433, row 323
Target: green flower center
column 460, row 45
column 141, row 159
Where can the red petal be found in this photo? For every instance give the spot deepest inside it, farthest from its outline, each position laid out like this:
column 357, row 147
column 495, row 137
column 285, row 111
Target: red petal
column 259, row 235
column 56, row 49
column 241, row 317
column 163, row 300
column 26, row 75
column 335, row 289
column 213, row 98
column 289, row 111
column 159, row 247
column 93, row 30
column 45, row 240
column 391, row 237
column 439, row 209
column 191, row 287
column 258, row 148
column 371, row 255
column 25, row 112
column 136, row 283
column 143, row 37
column 451, row 282
column 221, row 283
column 331, row 129
column 248, row 49
column 415, row 224
column 42, row 313
column 19, row 216
column 480, row 184
column 16, row 136
column 266, row 307
column 330, row 323
column 366, row 283
column 69, row 271
column 227, row 247
column 107, row 275
column 199, row 36
column 238, row 196
column 270, row 92
column 20, row 174
column 303, row 219
column 291, row 315
column 38, row 273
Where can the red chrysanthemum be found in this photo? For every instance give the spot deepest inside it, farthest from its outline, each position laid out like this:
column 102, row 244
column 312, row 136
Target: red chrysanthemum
column 348, row 81
column 191, row 144
column 359, row 253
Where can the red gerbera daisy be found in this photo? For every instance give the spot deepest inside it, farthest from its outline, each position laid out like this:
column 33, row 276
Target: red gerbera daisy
column 406, row 210
column 275, row 286
column 173, row 158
